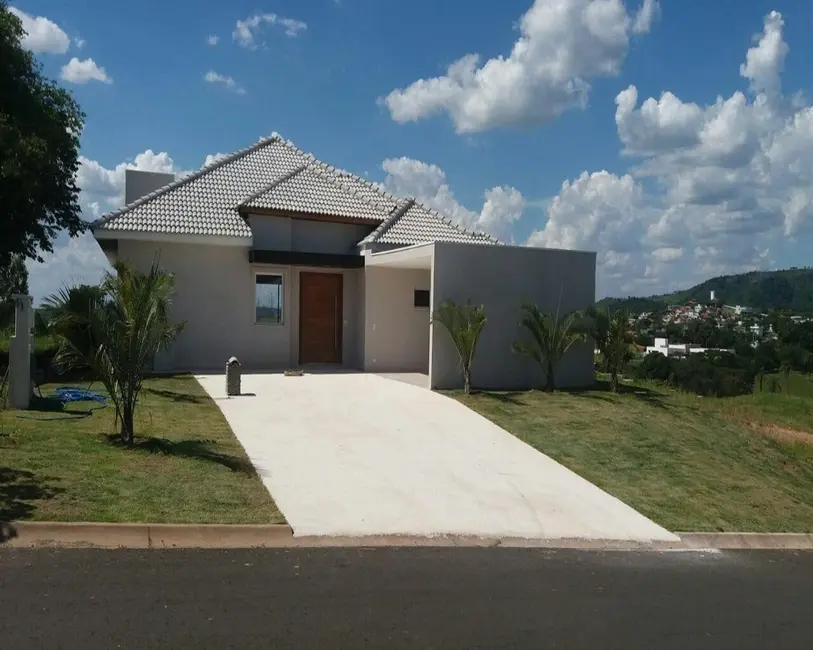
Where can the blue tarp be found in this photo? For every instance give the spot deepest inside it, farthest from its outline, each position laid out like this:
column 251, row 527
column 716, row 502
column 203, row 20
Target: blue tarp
column 71, row 394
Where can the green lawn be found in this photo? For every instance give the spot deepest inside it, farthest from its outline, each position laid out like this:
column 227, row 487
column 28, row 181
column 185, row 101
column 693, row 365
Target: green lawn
column 689, row 463
column 187, row 466
column 796, row 383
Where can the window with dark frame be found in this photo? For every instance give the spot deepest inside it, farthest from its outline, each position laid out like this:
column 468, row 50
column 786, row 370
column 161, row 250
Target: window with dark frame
column 421, row 297
column 268, row 307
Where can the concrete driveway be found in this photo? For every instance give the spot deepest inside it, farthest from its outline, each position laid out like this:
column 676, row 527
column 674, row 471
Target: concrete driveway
column 359, row 454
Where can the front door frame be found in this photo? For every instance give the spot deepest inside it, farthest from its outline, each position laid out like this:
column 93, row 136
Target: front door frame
column 339, row 316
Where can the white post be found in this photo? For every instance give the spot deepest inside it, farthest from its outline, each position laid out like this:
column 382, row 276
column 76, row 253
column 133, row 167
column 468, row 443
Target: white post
column 19, row 353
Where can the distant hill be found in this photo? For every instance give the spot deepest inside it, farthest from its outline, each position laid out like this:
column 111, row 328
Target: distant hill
column 763, row 290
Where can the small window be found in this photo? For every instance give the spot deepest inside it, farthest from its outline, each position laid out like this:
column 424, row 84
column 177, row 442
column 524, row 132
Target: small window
column 268, row 298
column 421, row 298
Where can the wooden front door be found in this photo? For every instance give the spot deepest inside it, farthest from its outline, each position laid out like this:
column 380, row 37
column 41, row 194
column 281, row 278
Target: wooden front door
column 320, row 318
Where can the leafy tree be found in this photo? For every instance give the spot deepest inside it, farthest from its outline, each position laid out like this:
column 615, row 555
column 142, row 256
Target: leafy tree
column 116, row 331
column 552, row 336
column 464, row 323
column 13, row 280
column 614, row 337
column 40, row 125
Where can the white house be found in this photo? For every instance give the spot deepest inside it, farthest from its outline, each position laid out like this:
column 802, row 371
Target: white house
column 282, row 260
column 662, row 346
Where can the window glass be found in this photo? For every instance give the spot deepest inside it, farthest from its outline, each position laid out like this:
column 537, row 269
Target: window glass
column 268, row 298
column 421, row 298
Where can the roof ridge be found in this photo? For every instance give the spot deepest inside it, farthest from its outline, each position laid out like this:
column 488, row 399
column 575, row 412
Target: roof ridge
column 277, row 181
column 397, row 212
column 334, row 171
column 331, row 169
column 274, row 137
column 333, row 178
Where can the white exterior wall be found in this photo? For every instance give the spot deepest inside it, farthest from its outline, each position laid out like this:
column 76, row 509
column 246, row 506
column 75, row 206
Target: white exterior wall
column 215, row 294
column 138, row 183
column 396, row 335
column 502, row 278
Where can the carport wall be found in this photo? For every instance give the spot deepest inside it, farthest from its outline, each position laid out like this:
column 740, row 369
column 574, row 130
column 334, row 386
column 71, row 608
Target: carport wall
column 502, row 278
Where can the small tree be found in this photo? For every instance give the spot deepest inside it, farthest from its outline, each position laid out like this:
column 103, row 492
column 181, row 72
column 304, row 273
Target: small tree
column 116, row 332
column 464, row 323
column 551, row 337
column 614, row 337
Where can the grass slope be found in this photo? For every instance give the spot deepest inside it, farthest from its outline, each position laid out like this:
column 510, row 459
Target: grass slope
column 687, row 462
column 187, row 466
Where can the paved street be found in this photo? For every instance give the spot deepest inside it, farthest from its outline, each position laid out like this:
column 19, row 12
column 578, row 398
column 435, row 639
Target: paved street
column 404, row 598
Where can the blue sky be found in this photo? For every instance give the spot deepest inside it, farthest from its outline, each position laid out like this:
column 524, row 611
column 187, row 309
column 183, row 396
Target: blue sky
column 667, row 195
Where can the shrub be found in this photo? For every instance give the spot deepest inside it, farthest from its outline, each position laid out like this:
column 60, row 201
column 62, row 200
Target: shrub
column 709, row 374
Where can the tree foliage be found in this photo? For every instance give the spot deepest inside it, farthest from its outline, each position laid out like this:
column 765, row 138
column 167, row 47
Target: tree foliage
column 116, row 330
column 464, row 323
column 614, row 337
column 40, row 125
column 551, row 336
column 13, row 280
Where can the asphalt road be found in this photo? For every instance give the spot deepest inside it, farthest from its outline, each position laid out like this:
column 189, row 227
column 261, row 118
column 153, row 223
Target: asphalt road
column 404, row 598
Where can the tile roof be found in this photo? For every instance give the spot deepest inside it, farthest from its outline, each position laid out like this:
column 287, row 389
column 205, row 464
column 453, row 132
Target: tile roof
column 417, row 224
column 313, row 189
column 275, row 174
column 205, row 203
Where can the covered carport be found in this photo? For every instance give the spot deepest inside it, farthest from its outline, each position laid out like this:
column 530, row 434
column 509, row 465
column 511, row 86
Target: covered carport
column 399, row 337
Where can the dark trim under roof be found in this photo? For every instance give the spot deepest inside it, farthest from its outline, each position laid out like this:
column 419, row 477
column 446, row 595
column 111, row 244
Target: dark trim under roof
column 297, row 258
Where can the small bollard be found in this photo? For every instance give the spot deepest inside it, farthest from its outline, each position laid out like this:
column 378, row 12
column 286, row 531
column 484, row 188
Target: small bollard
column 233, row 377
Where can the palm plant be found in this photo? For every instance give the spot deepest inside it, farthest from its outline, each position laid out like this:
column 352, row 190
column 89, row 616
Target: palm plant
column 552, row 336
column 116, row 330
column 464, row 323
column 613, row 337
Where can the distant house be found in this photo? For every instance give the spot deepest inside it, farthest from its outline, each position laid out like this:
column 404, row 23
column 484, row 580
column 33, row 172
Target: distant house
column 282, row 260
column 663, row 347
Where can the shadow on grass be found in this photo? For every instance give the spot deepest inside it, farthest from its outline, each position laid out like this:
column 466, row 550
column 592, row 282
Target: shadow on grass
column 511, row 398
column 196, row 449
column 20, row 491
column 601, row 391
column 175, row 396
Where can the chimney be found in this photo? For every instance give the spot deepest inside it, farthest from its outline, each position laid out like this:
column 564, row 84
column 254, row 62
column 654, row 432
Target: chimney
column 138, row 183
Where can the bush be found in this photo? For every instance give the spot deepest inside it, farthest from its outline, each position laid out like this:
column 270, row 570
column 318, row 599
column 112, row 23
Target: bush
column 708, row 374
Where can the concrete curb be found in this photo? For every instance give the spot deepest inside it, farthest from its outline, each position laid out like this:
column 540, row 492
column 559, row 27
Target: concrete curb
column 144, row 536
column 745, row 541
column 104, row 535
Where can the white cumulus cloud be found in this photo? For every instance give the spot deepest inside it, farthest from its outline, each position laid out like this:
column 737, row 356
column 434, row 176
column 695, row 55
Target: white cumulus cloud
column 213, row 77
column 764, row 62
column 427, row 182
column 716, row 188
column 212, row 39
column 212, row 158
column 562, row 45
column 81, row 72
column 42, row 34
column 246, row 31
